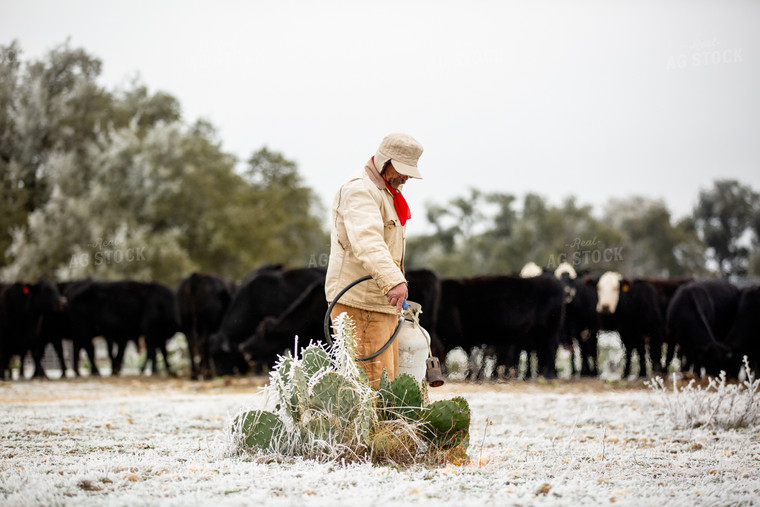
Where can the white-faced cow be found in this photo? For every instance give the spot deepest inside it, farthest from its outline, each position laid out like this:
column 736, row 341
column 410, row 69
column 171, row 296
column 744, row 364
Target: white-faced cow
column 630, row 307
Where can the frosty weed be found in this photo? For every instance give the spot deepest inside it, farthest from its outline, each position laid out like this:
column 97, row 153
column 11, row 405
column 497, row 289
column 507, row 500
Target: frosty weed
column 720, row 404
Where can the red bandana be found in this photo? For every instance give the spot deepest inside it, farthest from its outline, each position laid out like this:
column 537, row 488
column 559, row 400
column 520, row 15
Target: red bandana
column 402, row 208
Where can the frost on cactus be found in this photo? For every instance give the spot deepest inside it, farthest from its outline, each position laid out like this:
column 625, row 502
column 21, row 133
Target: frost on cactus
column 324, row 401
column 333, row 394
column 321, row 428
column 259, row 429
column 324, row 408
column 385, row 384
column 284, row 388
column 314, row 359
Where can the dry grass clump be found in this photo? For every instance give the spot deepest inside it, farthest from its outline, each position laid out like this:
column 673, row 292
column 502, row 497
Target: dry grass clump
column 720, row 404
column 395, row 442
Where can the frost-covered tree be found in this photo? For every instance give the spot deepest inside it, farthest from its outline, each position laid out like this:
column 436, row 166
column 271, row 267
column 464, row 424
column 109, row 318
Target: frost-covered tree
column 51, row 110
column 13, row 195
column 104, row 216
column 115, row 185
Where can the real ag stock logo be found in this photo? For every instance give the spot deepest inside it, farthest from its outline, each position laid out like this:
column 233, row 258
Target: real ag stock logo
column 705, row 54
column 107, row 252
column 581, row 252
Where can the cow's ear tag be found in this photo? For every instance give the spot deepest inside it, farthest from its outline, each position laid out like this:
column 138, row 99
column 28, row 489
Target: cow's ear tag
column 626, row 286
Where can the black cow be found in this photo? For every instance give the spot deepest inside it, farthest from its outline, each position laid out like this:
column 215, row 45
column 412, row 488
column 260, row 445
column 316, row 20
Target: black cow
column 51, row 306
column 699, row 319
column 14, row 304
column 506, row 313
column 64, row 328
column 425, row 289
column 269, row 267
column 631, row 308
column 267, row 293
column 305, row 317
column 744, row 339
column 666, row 289
column 202, row 300
column 581, row 321
column 27, row 312
column 3, row 330
column 120, row 312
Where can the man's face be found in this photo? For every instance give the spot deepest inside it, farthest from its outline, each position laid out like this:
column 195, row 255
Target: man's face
column 393, row 177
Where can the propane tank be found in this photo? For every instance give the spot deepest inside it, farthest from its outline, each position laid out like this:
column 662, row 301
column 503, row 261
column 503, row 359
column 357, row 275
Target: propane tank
column 413, row 343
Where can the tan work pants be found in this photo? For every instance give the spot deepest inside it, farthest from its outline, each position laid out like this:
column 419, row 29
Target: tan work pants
column 372, row 332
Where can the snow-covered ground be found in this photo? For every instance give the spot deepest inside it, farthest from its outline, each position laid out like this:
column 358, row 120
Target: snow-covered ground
column 157, row 441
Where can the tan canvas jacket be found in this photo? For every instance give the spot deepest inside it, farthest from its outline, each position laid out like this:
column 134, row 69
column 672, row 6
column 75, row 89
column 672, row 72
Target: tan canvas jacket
column 366, row 238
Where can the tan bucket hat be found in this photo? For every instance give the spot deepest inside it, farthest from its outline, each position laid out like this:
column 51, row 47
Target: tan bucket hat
column 404, row 151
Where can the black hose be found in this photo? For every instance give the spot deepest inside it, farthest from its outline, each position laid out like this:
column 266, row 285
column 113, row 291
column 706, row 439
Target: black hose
column 328, row 336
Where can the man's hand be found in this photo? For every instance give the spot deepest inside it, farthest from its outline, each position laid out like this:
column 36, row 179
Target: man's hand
column 397, row 295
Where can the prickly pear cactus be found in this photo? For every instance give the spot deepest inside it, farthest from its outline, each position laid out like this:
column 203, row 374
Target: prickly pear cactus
column 444, row 424
column 285, row 392
column 385, row 384
column 447, row 422
column 314, row 359
column 300, row 389
column 333, row 394
column 401, row 398
column 322, row 428
column 324, row 408
column 407, row 391
column 260, row 429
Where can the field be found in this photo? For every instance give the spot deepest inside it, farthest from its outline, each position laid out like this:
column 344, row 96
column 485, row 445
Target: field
column 161, row 441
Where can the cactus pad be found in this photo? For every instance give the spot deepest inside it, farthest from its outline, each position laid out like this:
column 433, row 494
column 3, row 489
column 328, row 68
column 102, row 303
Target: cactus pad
column 314, row 359
column 334, row 394
column 259, row 428
column 322, row 429
column 283, row 367
column 447, row 422
column 407, row 396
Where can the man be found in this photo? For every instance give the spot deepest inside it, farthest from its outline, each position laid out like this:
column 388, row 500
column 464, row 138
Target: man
column 367, row 237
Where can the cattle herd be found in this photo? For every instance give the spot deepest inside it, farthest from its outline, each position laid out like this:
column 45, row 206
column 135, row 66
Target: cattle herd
column 709, row 325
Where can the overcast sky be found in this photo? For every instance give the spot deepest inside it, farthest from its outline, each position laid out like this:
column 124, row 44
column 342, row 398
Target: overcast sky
column 595, row 99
